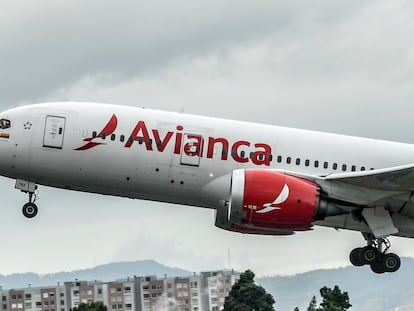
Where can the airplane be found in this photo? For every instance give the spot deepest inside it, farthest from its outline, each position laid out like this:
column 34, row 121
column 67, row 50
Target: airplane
column 260, row 179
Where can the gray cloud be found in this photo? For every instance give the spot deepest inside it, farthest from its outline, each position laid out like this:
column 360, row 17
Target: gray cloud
column 61, row 43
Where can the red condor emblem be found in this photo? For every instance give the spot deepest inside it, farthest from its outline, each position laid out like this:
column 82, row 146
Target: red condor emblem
column 109, row 128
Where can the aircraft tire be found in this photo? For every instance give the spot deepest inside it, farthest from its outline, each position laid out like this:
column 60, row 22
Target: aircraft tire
column 355, row 257
column 369, row 255
column 30, row 210
column 391, row 262
column 377, row 267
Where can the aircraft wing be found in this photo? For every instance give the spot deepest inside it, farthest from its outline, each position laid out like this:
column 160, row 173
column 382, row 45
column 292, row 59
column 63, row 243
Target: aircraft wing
column 399, row 178
column 381, row 196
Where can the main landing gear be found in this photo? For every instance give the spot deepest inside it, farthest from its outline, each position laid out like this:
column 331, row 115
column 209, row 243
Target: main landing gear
column 375, row 255
column 30, row 208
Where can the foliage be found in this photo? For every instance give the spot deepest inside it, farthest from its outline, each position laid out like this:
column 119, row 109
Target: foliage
column 312, row 305
column 247, row 296
column 334, row 300
column 92, row 306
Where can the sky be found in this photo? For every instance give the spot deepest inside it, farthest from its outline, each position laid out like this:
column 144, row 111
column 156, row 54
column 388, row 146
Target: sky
column 337, row 66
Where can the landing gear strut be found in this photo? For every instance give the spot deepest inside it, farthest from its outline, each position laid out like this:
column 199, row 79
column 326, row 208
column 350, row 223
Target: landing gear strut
column 375, row 255
column 30, row 208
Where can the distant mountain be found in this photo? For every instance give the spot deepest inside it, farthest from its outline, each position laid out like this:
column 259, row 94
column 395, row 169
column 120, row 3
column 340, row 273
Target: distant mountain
column 367, row 291
column 108, row 272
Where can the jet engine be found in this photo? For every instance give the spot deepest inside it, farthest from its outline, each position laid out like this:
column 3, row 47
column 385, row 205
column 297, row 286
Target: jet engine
column 270, row 202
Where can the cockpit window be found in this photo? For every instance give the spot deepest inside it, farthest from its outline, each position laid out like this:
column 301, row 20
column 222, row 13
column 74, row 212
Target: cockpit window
column 5, row 124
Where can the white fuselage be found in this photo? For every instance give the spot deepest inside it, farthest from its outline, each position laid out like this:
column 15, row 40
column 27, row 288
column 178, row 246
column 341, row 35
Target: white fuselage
column 169, row 157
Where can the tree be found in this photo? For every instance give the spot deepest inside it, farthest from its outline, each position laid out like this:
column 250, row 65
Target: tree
column 334, row 300
column 92, row 306
column 247, row 296
column 312, row 305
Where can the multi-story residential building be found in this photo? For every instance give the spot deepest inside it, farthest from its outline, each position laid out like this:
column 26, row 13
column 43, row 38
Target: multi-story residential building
column 200, row 292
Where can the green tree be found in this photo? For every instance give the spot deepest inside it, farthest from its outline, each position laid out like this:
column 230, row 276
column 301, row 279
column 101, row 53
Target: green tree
column 247, row 296
column 312, row 305
column 92, row 306
column 334, row 300
column 296, row 309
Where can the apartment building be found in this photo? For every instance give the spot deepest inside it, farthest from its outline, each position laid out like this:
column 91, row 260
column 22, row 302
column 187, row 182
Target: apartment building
column 199, row 292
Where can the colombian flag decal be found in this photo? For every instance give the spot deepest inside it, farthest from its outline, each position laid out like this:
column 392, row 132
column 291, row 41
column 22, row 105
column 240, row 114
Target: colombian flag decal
column 4, row 135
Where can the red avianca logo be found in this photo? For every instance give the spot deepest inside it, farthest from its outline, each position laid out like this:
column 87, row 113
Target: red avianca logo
column 189, row 144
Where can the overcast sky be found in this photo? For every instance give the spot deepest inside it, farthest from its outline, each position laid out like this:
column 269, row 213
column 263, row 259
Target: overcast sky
column 337, row 66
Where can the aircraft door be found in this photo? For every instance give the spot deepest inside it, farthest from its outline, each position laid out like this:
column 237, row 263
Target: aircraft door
column 54, row 132
column 192, row 149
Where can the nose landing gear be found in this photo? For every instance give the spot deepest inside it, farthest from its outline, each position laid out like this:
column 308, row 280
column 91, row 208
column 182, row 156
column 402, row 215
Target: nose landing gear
column 30, row 208
column 375, row 255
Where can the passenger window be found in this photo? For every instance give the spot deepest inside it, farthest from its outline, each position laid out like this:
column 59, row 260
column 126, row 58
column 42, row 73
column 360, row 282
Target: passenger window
column 113, row 137
column 103, row 136
column 94, row 134
column 270, row 158
column 288, row 160
column 344, row 167
column 307, row 163
column 316, row 163
column 297, row 161
column 363, row 168
column 335, row 166
column 325, row 165
column 279, row 159
column 122, row 138
column 353, row 168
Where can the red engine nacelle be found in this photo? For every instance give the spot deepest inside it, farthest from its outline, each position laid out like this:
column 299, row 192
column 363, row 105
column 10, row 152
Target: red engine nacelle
column 269, row 202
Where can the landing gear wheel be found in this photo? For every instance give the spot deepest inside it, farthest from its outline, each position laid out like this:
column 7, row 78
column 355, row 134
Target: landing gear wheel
column 378, row 267
column 355, row 257
column 29, row 210
column 369, row 254
column 376, row 255
column 391, row 262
